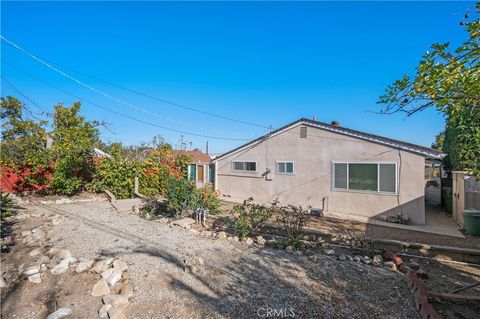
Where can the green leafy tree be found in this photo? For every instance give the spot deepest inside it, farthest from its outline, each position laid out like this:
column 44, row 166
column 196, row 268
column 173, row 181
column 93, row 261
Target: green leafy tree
column 23, row 143
column 74, row 139
column 449, row 80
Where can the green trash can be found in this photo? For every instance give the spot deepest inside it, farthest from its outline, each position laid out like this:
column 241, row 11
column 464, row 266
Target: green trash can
column 471, row 219
column 448, row 202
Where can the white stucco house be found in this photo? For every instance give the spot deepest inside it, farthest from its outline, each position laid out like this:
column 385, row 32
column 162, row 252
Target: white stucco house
column 328, row 167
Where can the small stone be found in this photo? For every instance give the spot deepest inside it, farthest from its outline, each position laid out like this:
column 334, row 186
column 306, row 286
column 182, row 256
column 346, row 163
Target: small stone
column 298, row 252
column 366, row 260
column 222, row 235
column 115, row 300
column 260, row 240
column 206, row 233
column 126, row 290
column 342, row 257
column 120, row 265
column 414, row 265
column 36, row 279
column 35, row 252
column 32, row 270
column 64, row 254
column 60, row 268
column 248, row 241
column 101, row 266
column 184, row 222
column 390, row 265
column 289, row 249
column 60, row 313
column 191, row 268
column 200, row 261
column 25, row 233
column 100, row 289
column 44, row 259
column 103, row 311
column 114, row 277
column 70, row 260
column 53, row 252
column 377, row 260
column 81, row 267
column 357, row 259
column 330, row 252
column 107, row 273
column 117, row 312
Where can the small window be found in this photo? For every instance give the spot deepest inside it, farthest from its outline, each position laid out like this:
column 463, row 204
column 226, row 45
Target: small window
column 284, row 167
column 370, row 177
column 303, row 132
column 244, row 166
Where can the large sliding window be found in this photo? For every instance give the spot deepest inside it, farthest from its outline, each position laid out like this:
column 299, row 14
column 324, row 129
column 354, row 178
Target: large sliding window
column 368, row 177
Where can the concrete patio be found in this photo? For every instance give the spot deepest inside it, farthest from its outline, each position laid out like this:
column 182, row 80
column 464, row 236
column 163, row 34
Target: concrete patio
column 436, row 222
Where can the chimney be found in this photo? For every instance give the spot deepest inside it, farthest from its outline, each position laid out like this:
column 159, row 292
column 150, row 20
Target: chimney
column 335, row 123
column 314, row 118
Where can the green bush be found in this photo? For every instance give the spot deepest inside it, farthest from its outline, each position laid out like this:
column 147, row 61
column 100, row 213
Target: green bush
column 209, row 199
column 182, row 196
column 293, row 219
column 252, row 216
column 7, row 205
column 117, row 175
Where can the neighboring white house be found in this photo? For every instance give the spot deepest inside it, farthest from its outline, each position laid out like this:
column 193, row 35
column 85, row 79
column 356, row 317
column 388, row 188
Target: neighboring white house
column 336, row 169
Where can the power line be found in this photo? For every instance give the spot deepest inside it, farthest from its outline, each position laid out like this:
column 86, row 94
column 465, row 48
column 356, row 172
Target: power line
column 122, row 114
column 115, row 98
column 25, row 96
column 183, row 106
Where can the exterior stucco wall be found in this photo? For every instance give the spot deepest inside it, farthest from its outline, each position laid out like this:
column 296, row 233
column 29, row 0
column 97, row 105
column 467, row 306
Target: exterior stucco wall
column 311, row 183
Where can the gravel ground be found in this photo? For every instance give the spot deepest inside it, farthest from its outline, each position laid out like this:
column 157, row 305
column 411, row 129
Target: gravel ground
column 236, row 281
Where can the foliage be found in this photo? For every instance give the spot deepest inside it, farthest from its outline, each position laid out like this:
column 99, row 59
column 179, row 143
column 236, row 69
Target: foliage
column 439, row 140
column 252, row 216
column 359, row 242
column 209, row 199
column 431, row 183
column 153, row 209
column 7, row 205
column 182, row 196
column 293, row 219
column 23, row 144
column 117, row 174
column 158, row 168
column 450, row 81
column 74, row 139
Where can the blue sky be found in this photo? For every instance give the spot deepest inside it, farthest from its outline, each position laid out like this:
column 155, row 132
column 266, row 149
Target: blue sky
column 262, row 62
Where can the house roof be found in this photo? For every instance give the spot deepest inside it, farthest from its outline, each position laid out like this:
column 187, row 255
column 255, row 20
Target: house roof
column 196, row 155
column 409, row 147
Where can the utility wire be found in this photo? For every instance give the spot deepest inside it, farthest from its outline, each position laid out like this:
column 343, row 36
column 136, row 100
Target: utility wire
column 122, row 114
column 25, row 96
column 97, row 90
column 186, row 107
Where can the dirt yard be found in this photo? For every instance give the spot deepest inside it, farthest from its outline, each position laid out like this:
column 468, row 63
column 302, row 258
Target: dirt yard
column 229, row 279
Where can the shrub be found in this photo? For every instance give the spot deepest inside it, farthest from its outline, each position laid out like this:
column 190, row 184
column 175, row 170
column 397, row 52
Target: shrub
column 117, row 175
column 182, row 196
column 153, row 209
column 7, row 205
column 293, row 219
column 252, row 216
column 209, row 199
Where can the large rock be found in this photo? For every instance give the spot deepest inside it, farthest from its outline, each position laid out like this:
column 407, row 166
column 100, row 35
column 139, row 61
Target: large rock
column 184, row 222
column 3, row 283
column 260, row 240
column 120, row 265
column 100, row 289
column 102, row 265
column 107, row 273
column 35, row 252
column 248, row 241
column 64, row 254
column 60, row 313
column 377, row 260
column 126, row 290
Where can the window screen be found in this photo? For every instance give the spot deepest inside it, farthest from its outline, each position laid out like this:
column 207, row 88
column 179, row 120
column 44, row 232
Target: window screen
column 250, row 166
column 387, row 178
column 340, row 175
column 238, row 166
column 363, row 177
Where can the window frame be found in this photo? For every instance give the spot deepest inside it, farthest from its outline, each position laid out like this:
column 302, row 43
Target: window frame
column 378, row 191
column 277, row 171
column 244, row 170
